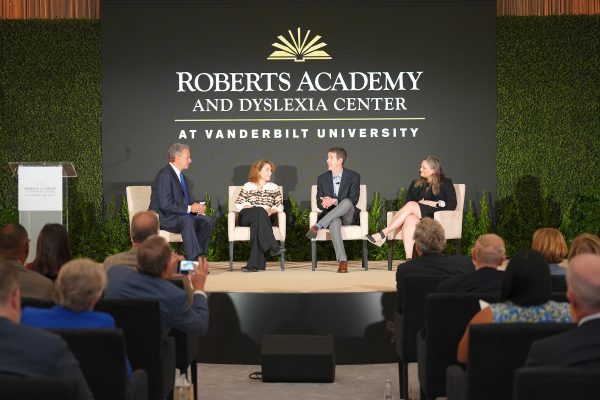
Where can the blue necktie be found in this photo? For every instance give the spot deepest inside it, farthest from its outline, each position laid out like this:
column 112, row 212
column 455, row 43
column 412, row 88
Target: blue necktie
column 185, row 189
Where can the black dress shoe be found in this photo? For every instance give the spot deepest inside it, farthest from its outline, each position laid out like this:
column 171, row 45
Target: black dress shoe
column 276, row 250
column 249, row 269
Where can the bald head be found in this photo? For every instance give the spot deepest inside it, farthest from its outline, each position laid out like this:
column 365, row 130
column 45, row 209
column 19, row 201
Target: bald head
column 143, row 225
column 489, row 251
column 583, row 284
column 14, row 242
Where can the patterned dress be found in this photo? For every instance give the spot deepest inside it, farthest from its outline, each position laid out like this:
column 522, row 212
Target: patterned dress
column 509, row 312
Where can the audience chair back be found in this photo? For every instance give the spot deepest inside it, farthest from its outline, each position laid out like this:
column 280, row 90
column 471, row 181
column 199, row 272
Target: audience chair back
column 101, row 356
column 138, row 199
column 450, row 220
column 349, row 232
column 556, row 383
column 146, row 348
column 559, row 283
column 237, row 233
column 37, row 303
column 446, row 316
column 495, row 352
column 411, row 321
column 21, row 388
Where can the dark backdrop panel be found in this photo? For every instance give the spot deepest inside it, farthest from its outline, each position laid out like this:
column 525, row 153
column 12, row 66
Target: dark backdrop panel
column 145, row 44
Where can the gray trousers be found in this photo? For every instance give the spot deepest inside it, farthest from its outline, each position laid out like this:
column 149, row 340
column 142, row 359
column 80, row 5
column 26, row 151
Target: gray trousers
column 341, row 214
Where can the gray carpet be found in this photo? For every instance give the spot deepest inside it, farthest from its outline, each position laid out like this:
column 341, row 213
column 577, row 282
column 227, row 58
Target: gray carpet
column 360, row 382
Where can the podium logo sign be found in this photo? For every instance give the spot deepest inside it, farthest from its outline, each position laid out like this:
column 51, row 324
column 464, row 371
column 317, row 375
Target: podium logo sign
column 40, row 188
column 299, row 47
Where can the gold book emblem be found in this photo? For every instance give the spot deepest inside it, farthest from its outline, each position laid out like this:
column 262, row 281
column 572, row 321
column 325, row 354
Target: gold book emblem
column 299, row 48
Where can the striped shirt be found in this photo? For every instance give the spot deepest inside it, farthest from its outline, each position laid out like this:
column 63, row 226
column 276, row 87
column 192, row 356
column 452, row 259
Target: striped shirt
column 269, row 197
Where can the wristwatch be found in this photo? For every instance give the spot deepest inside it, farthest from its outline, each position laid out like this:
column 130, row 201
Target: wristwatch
column 441, row 204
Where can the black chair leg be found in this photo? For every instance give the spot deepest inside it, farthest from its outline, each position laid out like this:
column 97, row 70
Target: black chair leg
column 458, row 243
column 282, row 257
column 365, row 256
column 390, row 244
column 231, row 256
column 403, row 378
column 195, row 378
column 313, row 248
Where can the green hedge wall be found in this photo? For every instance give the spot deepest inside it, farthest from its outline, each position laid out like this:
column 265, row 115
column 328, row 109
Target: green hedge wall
column 548, row 127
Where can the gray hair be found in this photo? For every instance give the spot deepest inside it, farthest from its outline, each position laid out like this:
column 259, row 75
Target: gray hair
column 429, row 236
column 583, row 279
column 176, row 149
column 80, row 282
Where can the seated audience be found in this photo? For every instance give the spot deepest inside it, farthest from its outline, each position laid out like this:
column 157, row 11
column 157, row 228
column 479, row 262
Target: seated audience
column 258, row 200
column 525, row 297
column 53, row 251
column 488, row 254
column 30, row 352
column 585, row 243
column 14, row 246
column 79, row 286
column 143, row 225
column 429, row 242
column 551, row 243
column 578, row 347
column 156, row 264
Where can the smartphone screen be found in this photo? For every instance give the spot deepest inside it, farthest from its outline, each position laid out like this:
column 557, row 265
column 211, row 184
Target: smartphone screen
column 185, row 266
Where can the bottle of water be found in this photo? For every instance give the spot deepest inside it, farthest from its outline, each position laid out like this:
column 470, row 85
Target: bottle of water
column 387, row 392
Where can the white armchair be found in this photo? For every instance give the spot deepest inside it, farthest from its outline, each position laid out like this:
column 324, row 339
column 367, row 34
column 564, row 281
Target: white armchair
column 451, row 220
column 242, row 233
column 349, row 232
column 138, row 199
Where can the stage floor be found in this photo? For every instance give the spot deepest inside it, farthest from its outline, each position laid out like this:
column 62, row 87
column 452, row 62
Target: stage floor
column 299, row 278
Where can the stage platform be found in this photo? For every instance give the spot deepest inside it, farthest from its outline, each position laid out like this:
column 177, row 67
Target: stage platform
column 354, row 307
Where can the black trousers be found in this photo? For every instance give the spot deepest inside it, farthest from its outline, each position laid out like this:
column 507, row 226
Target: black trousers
column 261, row 235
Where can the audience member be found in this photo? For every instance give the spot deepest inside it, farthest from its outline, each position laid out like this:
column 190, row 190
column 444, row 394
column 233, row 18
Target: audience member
column 156, row 264
column 79, row 286
column 488, row 254
column 578, row 347
column 14, row 246
column 30, row 352
column 525, row 297
column 585, row 243
column 53, row 250
column 551, row 243
column 429, row 242
column 143, row 225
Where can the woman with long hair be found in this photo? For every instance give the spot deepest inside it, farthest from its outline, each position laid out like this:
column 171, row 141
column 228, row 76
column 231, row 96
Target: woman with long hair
column 432, row 191
column 258, row 200
column 53, row 250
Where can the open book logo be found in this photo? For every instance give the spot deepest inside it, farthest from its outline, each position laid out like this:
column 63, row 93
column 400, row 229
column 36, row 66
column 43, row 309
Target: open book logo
column 299, row 47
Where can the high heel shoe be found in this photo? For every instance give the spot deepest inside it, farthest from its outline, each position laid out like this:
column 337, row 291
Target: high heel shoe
column 377, row 243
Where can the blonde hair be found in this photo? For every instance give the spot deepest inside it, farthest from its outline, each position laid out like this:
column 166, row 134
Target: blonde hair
column 438, row 174
column 551, row 243
column 584, row 244
column 79, row 283
column 256, row 167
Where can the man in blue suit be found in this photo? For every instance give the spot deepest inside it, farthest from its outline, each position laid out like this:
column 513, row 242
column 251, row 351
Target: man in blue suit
column 30, row 352
column 156, row 263
column 177, row 212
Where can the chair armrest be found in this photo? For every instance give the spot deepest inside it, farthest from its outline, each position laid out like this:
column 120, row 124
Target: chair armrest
column 231, row 222
column 281, row 222
column 137, row 388
column 364, row 223
column 451, row 221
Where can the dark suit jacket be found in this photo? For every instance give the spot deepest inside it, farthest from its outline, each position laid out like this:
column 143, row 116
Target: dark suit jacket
column 175, row 311
column 579, row 347
column 486, row 281
column 32, row 284
column 34, row 353
column 349, row 188
column 168, row 198
column 433, row 264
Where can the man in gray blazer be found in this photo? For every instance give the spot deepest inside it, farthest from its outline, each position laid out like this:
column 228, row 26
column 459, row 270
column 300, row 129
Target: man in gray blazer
column 338, row 191
column 14, row 246
column 31, row 352
column 156, row 263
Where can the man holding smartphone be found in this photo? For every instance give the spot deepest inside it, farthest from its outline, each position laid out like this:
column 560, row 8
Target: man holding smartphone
column 156, row 264
column 177, row 212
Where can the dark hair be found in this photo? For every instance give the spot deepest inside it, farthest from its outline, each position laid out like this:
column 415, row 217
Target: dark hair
column 153, row 256
column 53, row 250
column 527, row 279
column 8, row 279
column 339, row 153
column 12, row 238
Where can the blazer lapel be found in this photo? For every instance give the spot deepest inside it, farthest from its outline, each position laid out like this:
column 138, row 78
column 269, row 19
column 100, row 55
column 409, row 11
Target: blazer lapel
column 330, row 184
column 343, row 182
column 174, row 175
